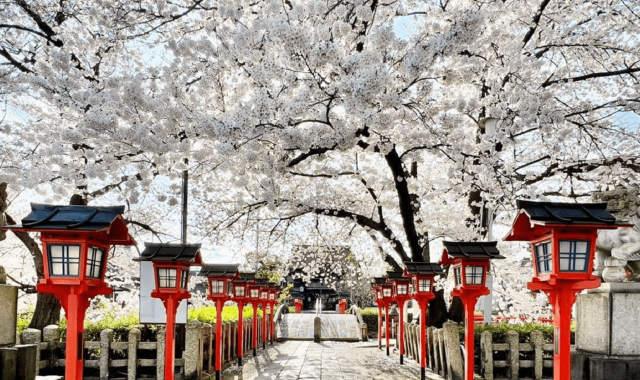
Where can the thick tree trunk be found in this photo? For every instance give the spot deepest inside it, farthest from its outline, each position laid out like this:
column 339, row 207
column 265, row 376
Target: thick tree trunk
column 456, row 310
column 47, row 312
column 437, row 313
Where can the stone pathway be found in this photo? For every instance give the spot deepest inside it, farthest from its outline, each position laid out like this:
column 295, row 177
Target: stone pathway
column 294, row 360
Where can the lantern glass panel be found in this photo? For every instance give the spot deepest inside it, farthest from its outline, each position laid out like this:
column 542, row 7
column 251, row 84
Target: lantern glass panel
column 167, row 277
column 402, row 289
column 239, row 291
column 64, row 260
column 544, row 257
column 474, row 275
column 386, row 292
column 272, row 296
column 574, row 256
column 184, row 278
column 255, row 293
column 264, row 295
column 94, row 262
column 457, row 273
column 424, row 285
column 217, row 287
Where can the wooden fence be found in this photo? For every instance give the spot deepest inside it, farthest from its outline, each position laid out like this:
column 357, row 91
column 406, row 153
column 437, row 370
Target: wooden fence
column 513, row 359
column 110, row 359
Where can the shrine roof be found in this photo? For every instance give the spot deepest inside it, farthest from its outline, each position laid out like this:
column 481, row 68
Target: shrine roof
column 423, row 268
column 171, row 252
column 473, row 249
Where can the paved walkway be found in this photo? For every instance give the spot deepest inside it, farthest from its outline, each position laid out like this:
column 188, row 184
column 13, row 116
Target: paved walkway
column 294, row 360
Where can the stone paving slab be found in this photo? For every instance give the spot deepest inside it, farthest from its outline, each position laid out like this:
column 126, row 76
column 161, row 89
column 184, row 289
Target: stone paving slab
column 305, row 360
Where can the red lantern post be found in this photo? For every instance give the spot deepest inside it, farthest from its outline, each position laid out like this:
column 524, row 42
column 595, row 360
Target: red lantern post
column 376, row 288
column 401, row 294
column 297, row 302
column 254, row 295
column 171, row 263
column 241, row 295
column 563, row 240
column 75, row 242
column 342, row 303
column 219, row 278
column 386, row 291
column 264, row 300
column 422, row 275
column 470, row 264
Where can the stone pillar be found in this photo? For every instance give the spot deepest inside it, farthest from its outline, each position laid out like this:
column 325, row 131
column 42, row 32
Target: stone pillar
column 160, row 354
column 538, row 344
column 8, row 311
column 132, row 354
column 455, row 363
column 8, row 362
column 26, row 362
column 193, row 350
column 513, row 340
column 431, row 363
column 106, row 337
column 317, row 329
column 51, row 335
column 209, row 330
column 33, row 336
column 442, row 369
column 486, row 347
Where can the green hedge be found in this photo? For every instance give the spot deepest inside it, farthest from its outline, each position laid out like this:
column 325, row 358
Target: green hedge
column 370, row 317
column 499, row 332
column 207, row 314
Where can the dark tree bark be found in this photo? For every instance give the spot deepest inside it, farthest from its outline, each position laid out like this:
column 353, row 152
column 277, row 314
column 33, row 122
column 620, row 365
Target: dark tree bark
column 456, row 310
column 47, row 312
column 437, row 311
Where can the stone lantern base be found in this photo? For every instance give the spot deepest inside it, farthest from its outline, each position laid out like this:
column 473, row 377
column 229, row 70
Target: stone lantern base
column 607, row 333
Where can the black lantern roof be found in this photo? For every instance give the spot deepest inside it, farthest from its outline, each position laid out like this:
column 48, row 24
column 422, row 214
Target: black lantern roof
column 423, row 268
column 219, row 270
column 473, row 249
column 262, row 281
column 247, row 277
column 88, row 218
column 567, row 213
column 397, row 276
column 379, row 280
column 297, row 295
column 170, row 252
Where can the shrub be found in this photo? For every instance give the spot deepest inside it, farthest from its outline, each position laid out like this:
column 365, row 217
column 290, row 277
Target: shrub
column 499, row 332
column 207, row 314
column 24, row 319
column 370, row 317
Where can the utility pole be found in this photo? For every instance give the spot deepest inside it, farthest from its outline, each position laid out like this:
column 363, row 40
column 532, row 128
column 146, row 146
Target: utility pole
column 185, row 200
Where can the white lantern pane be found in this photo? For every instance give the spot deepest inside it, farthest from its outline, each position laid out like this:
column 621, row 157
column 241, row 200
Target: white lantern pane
column 74, row 269
column 564, row 262
column 582, row 247
column 74, row 252
column 56, row 269
column 56, row 251
column 565, row 246
column 581, row 264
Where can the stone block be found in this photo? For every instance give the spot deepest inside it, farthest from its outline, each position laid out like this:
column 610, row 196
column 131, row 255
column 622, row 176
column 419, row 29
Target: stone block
column 8, row 363
column 455, row 362
column 27, row 362
column 317, row 329
column 8, row 314
column 607, row 320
